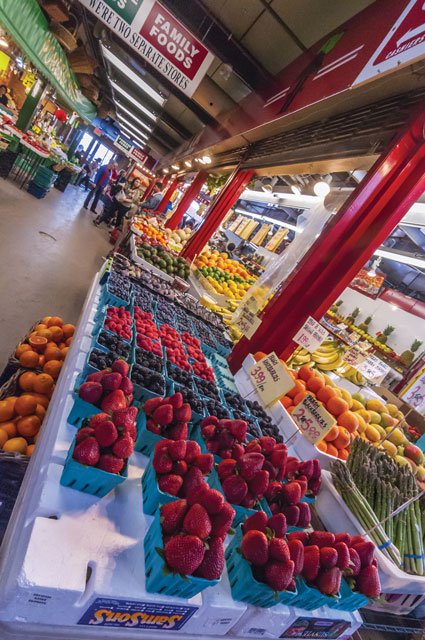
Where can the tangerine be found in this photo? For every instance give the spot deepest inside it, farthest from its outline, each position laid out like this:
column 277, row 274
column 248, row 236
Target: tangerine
column 40, row 412
column 28, row 426
column 45, row 320
column 55, row 321
column 53, row 368
column 299, row 398
column 299, row 387
column 26, row 380
column 11, row 402
column 6, row 411
column 343, row 439
column 40, row 327
column 68, row 342
column 349, row 420
column 10, row 428
column 45, row 333
column 331, row 450
column 321, row 446
column 331, row 434
column 18, row 445
column 57, row 333
column 305, row 372
column 259, row 355
column 41, row 361
column 314, row 384
column 41, row 398
column 25, row 405
column 336, row 406
column 326, row 393
column 44, row 383
column 4, row 437
column 29, row 359
column 286, row 401
column 343, row 454
column 30, row 450
column 64, row 352
column 52, row 353
column 21, row 349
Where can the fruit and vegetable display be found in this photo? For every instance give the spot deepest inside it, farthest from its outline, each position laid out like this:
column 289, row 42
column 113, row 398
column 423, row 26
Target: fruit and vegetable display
column 164, row 260
column 109, row 389
column 151, row 230
column 226, row 276
column 46, row 346
column 168, row 417
column 119, row 321
column 327, row 357
column 374, row 486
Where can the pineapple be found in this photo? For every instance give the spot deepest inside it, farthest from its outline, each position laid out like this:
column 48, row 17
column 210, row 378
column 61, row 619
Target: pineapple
column 383, row 337
column 336, row 306
column 408, row 356
column 364, row 326
column 353, row 315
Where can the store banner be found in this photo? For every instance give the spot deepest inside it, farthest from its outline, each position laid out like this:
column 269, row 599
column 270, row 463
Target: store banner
column 158, row 37
column 138, row 155
column 123, row 144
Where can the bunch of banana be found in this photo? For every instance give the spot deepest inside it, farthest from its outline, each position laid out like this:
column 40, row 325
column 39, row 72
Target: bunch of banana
column 328, row 356
column 299, row 357
column 351, row 374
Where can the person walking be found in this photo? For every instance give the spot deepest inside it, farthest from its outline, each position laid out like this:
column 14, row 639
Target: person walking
column 101, row 180
column 113, row 189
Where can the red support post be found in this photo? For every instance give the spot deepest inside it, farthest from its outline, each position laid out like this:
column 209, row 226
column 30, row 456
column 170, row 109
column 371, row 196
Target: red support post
column 392, row 186
column 218, row 210
column 149, row 188
column 188, row 197
column 166, row 199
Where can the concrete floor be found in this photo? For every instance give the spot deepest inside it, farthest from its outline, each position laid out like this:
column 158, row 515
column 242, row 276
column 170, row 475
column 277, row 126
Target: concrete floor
column 49, row 253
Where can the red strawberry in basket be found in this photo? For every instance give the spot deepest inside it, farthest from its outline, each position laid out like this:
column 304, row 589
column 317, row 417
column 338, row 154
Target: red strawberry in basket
column 184, row 554
column 258, row 522
column 114, row 401
column 91, row 392
column 83, row 433
column 178, row 431
column 238, row 429
column 172, row 516
column 123, row 447
column 96, row 376
column 279, row 550
column 322, row 538
column 124, row 418
column 204, row 462
column 368, row 583
column 121, row 366
column 235, row 489
column 127, row 386
column 211, row 499
column 192, row 481
column 291, row 493
column 328, row 557
column 197, row 522
column 162, row 463
column 259, row 483
column 170, row 483
column 277, row 524
column 192, row 451
column 106, row 433
column 111, row 381
column 296, row 552
column 303, row 536
column 151, row 404
column 110, row 463
column 176, row 401
column 304, row 517
column 163, row 415
column 311, row 563
column 177, row 449
column 222, row 521
column 249, row 464
column 292, row 514
column 343, row 555
column 365, row 550
column 278, row 575
column 355, row 563
column 87, row 452
column 98, row 417
column 212, row 565
column 255, row 547
column 329, row 581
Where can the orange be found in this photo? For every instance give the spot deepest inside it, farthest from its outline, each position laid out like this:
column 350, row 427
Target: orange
column 314, row 384
column 64, row 352
column 343, row 439
column 29, row 359
column 30, row 449
column 286, row 402
column 40, row 412
column 349, row 420
column 38, row 342
column 20, row 350
column 299, row 397
column 57, row 334
column 53, row 368
column 4, row 437
column 40, row 327
column 26, row 380
column 305, row 372
column 68, row 330
column 290, row 409
column 11, row 402
column 51, row 344
column 41, row 361
column 25, row 405
column 343, row 454
column 331, row 450
column 332, row 434
column 16, row 444
column 321, row 446
column 54, row 321
column 298, row 387
column 68, row 342
column 52, row 353
column 259, row 355
column 336, row 406
column 44, row 383
column 41, row 399
column 6, row 411
column 45, row 320
column 61, row 345
column 28, row 426
column 45, row 333
column 326, row 393
column 10, row 428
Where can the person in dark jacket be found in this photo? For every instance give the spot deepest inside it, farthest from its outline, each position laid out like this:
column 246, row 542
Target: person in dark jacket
column 101, row 181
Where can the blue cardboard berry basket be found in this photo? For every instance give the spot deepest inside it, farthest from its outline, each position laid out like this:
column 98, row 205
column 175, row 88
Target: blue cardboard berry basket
column 101, row 347
column 157, row 580
column 310, row 598
column 89, row 479
column 245, row 587
column 110, row 299
column 146, row 440
column 349, row 600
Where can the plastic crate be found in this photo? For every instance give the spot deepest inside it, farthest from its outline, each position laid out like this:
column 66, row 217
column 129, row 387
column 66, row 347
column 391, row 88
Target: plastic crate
column 89, row 479
column 245, row 587
column 171, row 584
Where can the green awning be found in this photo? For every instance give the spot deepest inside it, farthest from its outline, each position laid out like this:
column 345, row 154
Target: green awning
column 26, row 23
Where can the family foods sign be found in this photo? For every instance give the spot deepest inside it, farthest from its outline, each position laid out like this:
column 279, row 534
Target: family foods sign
column 158, row 37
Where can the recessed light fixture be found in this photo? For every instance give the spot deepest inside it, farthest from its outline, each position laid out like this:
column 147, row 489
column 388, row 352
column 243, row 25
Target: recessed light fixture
column 131, row 126
column 206, row 160
column 165, row 170
column 188, row 163
column 130, row 113
column 176, row 167
column 321, row 189
column 137, row 104
column 404, row 259
column 295, row 190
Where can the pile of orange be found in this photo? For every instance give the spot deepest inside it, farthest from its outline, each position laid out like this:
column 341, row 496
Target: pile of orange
column 337, row 401
column 21, row 416
column 46, row 347
column 149, row 231
column 222, row 261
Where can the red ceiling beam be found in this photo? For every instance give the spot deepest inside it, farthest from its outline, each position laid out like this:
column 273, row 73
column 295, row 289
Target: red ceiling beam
column 188, row 197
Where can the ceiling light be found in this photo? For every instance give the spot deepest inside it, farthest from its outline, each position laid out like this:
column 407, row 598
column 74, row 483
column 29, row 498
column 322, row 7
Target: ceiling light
column 165, row 171
column 188, row 163
column 132, row 135
column 130, row 113
column 126, row 70
column 400, row 257
column 131, row 126
column 176, row 167
column 295, row 190
column 206, row 160
column 321, row 189
column 137, row 104
column 4, row 43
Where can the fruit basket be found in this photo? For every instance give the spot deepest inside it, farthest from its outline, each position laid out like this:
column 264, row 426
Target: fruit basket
column 146, row 440
column 142, row 393
column 89, row 479
column 245, row 587
column 110, row 299
column 241, row 513
column 122, row 349
column 168, row 584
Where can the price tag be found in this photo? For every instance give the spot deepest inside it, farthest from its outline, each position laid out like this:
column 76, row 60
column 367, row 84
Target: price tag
column 311, row 335
column 248, row 323
column 373, row 369
column 312, row 419
column 415, row 396
column 354, row 356
column 270, row 379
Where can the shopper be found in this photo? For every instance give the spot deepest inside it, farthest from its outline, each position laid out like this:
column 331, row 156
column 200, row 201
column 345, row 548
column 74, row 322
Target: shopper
column 101, row 181
column 86, row 173
column 3, row 95
column 156, row 197
column 111, row 204
column 80, row 153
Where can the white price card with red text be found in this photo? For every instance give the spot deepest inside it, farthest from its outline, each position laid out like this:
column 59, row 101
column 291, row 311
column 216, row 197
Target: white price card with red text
column 354, row 355
column 312, row 419
column 248, row 323
column 270, row 379
column 373, row 369
column 311, row 335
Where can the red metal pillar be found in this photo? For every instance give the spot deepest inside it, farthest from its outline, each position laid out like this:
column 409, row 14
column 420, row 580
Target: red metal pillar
column 218, row 210
column 189, row 196
column 150, row 188
column 166, row 199
column 392, row 186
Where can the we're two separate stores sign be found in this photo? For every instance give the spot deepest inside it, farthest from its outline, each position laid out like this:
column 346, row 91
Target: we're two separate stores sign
column 157, row 37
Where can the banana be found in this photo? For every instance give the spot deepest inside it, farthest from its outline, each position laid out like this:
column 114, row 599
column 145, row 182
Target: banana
column 330, row 366
column 328, row 359
column 299, row 360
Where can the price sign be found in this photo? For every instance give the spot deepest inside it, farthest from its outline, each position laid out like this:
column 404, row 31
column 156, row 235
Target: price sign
column 311, row 335
column 312, row 419
column 415, row 396
column 270, row 379
column 354, row 356
column 373, row 369
column 248, row 323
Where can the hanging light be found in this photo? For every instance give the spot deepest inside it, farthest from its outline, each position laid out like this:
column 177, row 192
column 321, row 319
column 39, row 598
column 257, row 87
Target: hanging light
column 176, row 167
column 321, row 189
column 188, row 163
column 295, row 190
column 165, row 170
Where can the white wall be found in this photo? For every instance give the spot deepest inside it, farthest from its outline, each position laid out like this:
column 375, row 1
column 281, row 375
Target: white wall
column 407, row 326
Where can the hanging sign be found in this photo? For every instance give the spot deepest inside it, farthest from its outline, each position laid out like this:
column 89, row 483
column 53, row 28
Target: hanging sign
column 415, row 394
column 158, row 37
column 123, row 144
column 312, row 419
column 270, row 378
column 29, row 79
column 354, row 355
column 373, row 369
column 139, row 155
column 311, row 335
column 248, row 323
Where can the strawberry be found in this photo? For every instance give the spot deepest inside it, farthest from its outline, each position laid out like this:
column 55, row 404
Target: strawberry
column 124, row 447
column 303, row 536
column 183, row 414
column 255, row 547
column 273, row 491
column 172, row 516
column 176, row 401
column 176, row 449
column 151, row 404
column 177, row 431
column 259, row 483
column 249, row 501
column 208, row 431
column 213, row 447
column 306, row 469
column 226, row 454
column 96, row 376
column 124, row 418
column 250, row 464
column 222, row 521
column 87, row 452
column 106, row 433
column 365, row 550
column 235, row 489
column 267, row 444
column 291, row 493
column 180, row 467
column 152, row 427
column 184, row 553
column 126, row 386
column 343, row 555
column 113, row 401
column 278, row 458
column 296, row 552
column 328, row 557
column 302, row 481
column 355, row 563
column 311, row 563
column 238, row 429
column 162, row 462
column 163, row 415
column 83, row 433
column 305, row 514
column 192, row 450
column 253, row 447
column 91, row 392
column 329, row 581
column 209, row 420
column 192, row 481
column 197, row 522
column 212, row 565
column 316, row 469
column 322, row 538
column 368, row 583
column 355, row 540
column 277, row 524
column 292, row 514
column 204, row 462
column 314, row 486
column 342, row 537
column 121, row 366
column 278, row 575
column 237, row 451
column 110, row 463
column 258, row 522
column 170, row 483
column 98, row 417
column 291, row 466
column 211, row 499
column 279, row 550
column 111, row 381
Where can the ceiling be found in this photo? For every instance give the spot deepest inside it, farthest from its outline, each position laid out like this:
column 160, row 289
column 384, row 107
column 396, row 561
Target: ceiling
column 251, row 41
